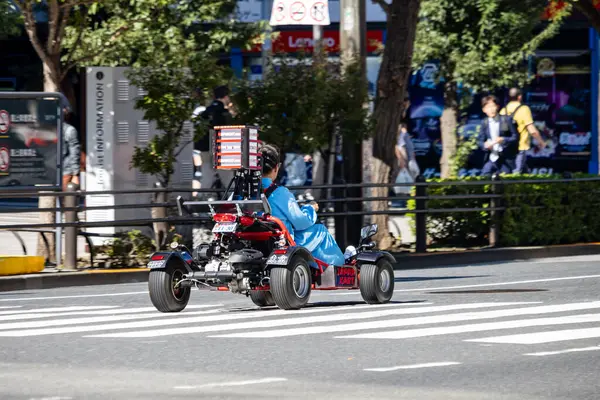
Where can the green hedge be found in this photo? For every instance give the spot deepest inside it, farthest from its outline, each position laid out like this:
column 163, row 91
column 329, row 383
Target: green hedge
column 537, row 214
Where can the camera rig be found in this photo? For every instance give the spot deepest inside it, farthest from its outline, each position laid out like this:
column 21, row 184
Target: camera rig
column 236, row 147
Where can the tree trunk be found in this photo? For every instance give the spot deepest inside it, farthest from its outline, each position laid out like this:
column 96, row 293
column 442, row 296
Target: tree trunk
column 51, row 84
column 391, row 88
column 448, row 123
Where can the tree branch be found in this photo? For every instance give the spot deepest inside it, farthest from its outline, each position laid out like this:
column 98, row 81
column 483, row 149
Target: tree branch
column 385, row 6
column 53, row 16
column 586, row 7
column 64, row 21
column 73, row 3
column 76, row 44
column 89, row 57
column 183, row 146
column 30, row 27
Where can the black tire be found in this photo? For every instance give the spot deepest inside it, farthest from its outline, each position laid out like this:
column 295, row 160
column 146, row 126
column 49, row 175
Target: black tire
column 285, row 294
column 162, row 292
column 377, row 282
column 262, row 298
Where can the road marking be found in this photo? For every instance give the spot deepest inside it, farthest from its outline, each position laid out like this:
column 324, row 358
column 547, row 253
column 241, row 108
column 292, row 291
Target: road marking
column 542, row 337
column 296, row 321
column 90, row 320
column 3, row 307
column 176, row 320
column 551, row 353
column 51, row 398
column 560, row 260
column 482, row 285
column 74, row 297
column 225, row 384
column 414, row 366
column 24, row 315
column 448, row 330
column 371, row 325
column 54, row 309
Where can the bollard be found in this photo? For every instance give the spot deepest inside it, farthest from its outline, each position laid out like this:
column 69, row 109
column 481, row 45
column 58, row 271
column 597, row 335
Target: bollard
column 494, row 203
column 71, row 201
column 421, row 217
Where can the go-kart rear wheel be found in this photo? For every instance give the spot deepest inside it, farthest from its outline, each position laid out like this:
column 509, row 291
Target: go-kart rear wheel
column 377, row 282
column 163, row 293
column 291, row 285
column 262, row 298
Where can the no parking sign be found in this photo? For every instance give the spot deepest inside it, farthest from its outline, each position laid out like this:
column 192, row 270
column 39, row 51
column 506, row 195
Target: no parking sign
column 4, row 159
column 4, row 121
column 300, row 12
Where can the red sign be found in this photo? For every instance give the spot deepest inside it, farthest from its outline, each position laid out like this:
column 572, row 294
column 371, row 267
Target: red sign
column 4, row 121
column 346, row 276
column 293, row 41
column 4, row 159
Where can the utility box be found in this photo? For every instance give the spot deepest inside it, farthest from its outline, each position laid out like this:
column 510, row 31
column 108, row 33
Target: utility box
column 113, row 128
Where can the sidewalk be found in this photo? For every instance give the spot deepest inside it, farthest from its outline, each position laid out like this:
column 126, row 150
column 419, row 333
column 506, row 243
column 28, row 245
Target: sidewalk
column 10, row 245
column 51, row 278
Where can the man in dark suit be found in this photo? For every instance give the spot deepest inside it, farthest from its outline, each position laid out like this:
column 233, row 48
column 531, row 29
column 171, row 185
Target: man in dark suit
column 498, row 138
column 216, row 114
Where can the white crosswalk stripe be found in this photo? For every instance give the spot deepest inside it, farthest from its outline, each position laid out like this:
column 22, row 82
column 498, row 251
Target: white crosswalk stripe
column 299, row 321
column 392, row 321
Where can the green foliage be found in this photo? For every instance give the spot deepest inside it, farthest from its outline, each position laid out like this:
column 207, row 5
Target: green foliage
column 299, row 104
column 452, row 228
column 131, row 249
column 174, row 56
column 536, row 213
column 11, row 21
column 482, row 44
column 466, row 146
column 169, row 103
column 154, row 32
column 551, row 213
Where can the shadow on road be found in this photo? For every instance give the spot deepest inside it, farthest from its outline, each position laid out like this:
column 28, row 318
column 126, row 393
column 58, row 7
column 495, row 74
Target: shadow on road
column 435, row 278
column 321, row 304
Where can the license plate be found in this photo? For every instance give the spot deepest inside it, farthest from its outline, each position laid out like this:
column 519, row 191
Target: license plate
column 278, row 259
column 225, row 227
column 156, row 264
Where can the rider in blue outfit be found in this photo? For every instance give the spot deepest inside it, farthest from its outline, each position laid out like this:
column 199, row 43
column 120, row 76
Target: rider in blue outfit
column 300, row 221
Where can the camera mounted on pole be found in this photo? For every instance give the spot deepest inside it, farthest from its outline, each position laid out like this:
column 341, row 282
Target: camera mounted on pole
column 236, row 148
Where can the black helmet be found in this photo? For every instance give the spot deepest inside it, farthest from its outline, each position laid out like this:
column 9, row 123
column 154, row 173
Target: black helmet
column 270, row 158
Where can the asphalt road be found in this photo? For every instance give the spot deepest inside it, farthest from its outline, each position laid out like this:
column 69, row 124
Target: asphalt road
column 527, row 330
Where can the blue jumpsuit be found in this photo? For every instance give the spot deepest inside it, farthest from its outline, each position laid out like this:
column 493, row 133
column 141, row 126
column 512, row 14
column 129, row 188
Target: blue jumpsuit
column 300, row 222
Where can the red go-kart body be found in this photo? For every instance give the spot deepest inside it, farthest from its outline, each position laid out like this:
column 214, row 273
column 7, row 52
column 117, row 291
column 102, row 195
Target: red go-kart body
column 252, row 253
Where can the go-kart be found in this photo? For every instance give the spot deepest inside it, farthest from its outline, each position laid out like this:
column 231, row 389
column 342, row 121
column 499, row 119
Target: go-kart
column 252, row 253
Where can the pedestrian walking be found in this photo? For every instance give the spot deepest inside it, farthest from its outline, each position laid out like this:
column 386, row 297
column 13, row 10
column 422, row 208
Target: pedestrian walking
column 521, row 114
column 498, row 138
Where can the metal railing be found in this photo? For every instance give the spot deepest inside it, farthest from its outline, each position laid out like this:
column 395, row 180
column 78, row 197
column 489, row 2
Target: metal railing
column 336, row 208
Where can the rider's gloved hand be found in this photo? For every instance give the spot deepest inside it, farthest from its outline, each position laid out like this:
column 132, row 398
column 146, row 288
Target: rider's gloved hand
column 314, row 205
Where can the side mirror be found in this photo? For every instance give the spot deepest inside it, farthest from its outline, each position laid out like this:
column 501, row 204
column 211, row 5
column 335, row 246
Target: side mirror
column 368, row 232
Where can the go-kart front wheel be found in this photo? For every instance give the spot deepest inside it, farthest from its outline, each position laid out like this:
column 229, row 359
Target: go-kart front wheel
column 291, row 285
column 377, row 282
column 163, row 293
column 262, row 298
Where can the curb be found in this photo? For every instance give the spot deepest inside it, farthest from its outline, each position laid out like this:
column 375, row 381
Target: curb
column 49, row 280
column 490, row 255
